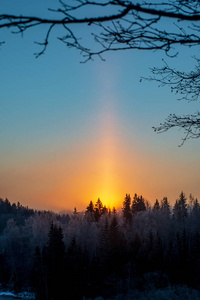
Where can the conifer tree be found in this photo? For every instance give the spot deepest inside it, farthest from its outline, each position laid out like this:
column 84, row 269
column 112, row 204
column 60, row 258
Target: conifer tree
column 126, row 210
column 180, row 207
column 196, row 205
column 104, row 210
column 116, row 246
column 39, row 275
column 103, row 250
column 165, row 206
column 138, row 204
column 75, row 213
column 90, row 208
column 156, row 205
column 114, row 210
column 56, row 263
column 98, row 209
column 89, row 213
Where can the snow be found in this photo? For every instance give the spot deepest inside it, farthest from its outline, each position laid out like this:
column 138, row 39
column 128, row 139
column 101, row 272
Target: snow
column 23, row 295
column 7, row 294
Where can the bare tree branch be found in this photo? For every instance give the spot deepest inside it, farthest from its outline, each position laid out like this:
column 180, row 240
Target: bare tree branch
column 190, row 124
column 187, row 84
column 132, row 26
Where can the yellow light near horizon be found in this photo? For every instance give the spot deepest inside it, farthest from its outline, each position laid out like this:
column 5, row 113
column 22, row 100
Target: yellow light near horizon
column 109, row 199
column 96, row 167
column 109, row 192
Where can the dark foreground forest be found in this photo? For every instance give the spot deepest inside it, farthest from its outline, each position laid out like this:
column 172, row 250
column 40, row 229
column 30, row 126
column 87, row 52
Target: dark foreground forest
column 101, row 252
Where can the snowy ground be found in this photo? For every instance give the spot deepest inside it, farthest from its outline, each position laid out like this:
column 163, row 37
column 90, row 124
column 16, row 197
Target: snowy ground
column 10, row 295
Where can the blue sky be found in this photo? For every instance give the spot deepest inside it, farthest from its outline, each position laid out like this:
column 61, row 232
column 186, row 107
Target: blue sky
column 59, row 117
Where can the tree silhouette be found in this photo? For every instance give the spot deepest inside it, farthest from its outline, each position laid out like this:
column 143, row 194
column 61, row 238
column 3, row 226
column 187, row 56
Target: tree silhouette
column 126, row 209
column 138, row 204
column 56, row 263
column 165, row 206
column 98, row 210
column 39, row 274
column 156, row 205
column 196, row 205
column 180, row 207
column 130, row 26
column 90, row 211
column 116, row 246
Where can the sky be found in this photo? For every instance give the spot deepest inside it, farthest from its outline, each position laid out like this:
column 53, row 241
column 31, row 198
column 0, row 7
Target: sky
column 72, row 132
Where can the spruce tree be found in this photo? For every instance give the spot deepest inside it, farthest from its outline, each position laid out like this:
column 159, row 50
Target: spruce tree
column 126, row 210
column 98, row 209
column 75, row 213
column 138, row 204
column 56, row 263
column 89, row 213
column 180, row 208
column 156, row 206
column 165, row 207
column 39, row 275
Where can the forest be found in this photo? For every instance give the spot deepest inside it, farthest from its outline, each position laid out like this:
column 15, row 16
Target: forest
column 101, row 252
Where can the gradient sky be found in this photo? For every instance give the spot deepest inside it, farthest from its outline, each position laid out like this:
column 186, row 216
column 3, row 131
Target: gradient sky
column 73, row 132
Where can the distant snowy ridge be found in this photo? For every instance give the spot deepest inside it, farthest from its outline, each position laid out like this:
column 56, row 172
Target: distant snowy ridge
column 7, row 294
column 23, row 295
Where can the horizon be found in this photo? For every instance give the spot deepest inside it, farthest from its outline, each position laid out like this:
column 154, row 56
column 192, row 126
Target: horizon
column 107, row 206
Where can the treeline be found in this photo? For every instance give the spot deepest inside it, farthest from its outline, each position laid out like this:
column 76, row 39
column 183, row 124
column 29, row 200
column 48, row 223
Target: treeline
column 16, row 211
column 101, row 252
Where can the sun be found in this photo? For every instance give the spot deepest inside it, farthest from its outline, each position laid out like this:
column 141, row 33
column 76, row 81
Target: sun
column 109, row 200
